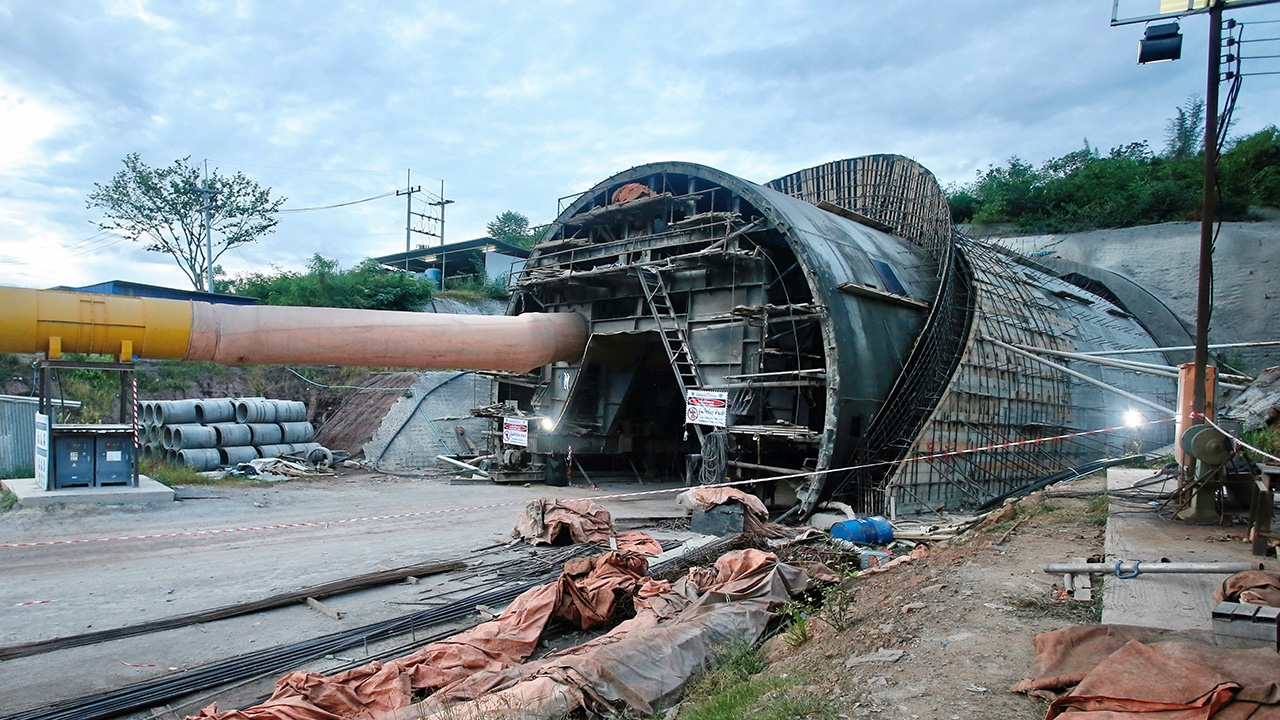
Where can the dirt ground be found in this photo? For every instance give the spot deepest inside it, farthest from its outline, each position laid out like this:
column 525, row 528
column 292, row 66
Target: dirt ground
column 964, row 618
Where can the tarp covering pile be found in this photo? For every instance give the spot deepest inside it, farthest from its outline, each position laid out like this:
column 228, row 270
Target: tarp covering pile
column 755, row 519
column 569, row 522
column 1256, row 587
column 586, row 594
column 642, row 661
column 1123, row 672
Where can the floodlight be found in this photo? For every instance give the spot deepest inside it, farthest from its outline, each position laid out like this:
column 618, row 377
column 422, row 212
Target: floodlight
column 1133, row 418
column 1160, row 43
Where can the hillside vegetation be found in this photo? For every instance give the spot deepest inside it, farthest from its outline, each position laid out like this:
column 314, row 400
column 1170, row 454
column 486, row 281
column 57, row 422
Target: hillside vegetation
column 1130, row 185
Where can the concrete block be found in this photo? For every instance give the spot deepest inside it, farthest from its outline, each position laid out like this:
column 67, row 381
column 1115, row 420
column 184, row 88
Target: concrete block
column 30, row 494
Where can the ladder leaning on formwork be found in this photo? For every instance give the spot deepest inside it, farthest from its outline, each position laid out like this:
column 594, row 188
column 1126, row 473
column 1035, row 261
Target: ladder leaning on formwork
column 672, row 333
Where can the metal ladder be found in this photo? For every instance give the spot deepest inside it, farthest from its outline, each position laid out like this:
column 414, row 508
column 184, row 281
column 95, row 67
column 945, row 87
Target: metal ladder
column 673, row 335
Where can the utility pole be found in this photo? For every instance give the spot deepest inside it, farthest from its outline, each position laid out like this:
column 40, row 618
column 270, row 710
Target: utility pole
column 440, row 204
column 208, row 194
column 408, row 192
column 1204, row 302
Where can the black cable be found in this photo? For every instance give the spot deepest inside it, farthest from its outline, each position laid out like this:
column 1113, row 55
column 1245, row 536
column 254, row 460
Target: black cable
column 287, row 211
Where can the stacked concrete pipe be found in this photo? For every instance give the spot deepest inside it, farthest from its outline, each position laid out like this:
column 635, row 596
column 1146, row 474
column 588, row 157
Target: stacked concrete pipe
column 214, row 432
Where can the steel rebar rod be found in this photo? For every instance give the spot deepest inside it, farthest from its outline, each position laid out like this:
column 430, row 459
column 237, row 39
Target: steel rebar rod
column 1092, row 381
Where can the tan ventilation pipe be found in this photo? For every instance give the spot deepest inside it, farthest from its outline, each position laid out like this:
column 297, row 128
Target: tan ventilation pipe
column 54, row 322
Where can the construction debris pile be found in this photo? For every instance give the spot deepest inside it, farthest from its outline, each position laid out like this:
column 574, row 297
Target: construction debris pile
column 215, row 432
column 642, row 660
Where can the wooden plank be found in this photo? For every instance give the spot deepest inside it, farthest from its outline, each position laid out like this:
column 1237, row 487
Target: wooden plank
column 320, row 607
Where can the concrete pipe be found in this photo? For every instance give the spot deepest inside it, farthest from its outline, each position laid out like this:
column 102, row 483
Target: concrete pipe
column 216, row 410
column 270, row 451
column 290, row 411
column 237, row 455
column 52, row 321
column 199, row 459
column 296, row 432
column 186, row 437
column 233, row 434
column 266, row 433
column 166, row 438
column 148, row 412
column 320, row 457
column 175, row 412
column 148, row 451
column 305, row 447
column 255, row 411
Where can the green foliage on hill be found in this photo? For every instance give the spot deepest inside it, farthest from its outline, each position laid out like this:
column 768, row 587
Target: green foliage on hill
column 368, row 285
column 1128, row 186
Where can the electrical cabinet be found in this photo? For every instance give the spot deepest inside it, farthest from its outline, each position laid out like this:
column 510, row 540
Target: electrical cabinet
column 73, row 460
column 113, row 460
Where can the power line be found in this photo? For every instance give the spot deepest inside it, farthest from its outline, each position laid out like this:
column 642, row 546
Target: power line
column 338, row 205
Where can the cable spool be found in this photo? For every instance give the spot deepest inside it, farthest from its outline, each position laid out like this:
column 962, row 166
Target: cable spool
column 1207, row 445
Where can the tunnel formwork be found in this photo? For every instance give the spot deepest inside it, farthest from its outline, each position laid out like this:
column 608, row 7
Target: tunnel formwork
column 844, row 322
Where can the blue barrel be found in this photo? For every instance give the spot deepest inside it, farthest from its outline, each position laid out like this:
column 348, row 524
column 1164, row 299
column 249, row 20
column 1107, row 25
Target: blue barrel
column 432, row 275
column 874, row 530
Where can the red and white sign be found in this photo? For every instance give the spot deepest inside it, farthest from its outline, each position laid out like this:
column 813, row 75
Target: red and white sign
column 515, row 431
column 703, row 407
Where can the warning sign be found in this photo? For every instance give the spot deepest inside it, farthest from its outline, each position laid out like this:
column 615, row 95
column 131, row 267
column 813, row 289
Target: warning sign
column 42, row 451
column 515, row 431
column 704, row 407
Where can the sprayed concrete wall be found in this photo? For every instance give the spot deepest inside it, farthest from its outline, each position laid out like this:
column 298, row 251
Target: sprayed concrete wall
column 423, row 423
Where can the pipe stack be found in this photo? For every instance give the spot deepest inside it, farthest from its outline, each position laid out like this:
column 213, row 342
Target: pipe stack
column 206, row 434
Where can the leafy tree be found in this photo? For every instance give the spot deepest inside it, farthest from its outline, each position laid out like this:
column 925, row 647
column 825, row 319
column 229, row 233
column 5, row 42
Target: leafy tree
column 512, row 227
column 1250, row 169
column 368, row 285
column 162, row 208
column 1184, row 133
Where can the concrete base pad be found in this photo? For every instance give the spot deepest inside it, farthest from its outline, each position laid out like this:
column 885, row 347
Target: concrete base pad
column 32, row 495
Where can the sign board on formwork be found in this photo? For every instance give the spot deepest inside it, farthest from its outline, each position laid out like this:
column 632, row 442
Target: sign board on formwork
column 515, row 431
column 42, row 450
column 704, row 407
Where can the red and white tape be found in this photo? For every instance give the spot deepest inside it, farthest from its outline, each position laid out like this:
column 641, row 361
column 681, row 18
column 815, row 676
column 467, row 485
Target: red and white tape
column 32, row 602
column 615, row 496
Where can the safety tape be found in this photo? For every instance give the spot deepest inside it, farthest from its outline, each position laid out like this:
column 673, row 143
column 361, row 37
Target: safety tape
column 1219, row 428
column 32, row 602
column 136, row 665
column 616, row 496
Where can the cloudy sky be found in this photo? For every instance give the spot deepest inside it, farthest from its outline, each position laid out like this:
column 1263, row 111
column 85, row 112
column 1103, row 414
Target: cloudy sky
column 515, row 104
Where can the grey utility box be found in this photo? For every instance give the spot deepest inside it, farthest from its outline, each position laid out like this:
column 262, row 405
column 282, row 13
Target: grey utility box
column 113, row 460
column 73, row 460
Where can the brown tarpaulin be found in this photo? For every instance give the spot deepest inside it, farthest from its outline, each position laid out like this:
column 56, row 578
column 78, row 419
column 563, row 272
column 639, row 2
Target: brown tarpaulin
column 1124, row 672
column 563, row 522
column 643, row 660
column 586, row 594
column 1258, row 587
